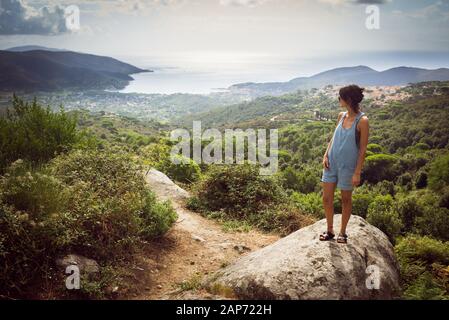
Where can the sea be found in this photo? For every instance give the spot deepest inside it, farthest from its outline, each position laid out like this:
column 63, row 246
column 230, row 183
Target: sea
column 208, row 72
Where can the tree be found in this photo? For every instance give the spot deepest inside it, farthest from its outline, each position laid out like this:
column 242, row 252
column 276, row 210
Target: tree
column 382, row 215
column 380, row 167
column 34, row 133
column 439, row 172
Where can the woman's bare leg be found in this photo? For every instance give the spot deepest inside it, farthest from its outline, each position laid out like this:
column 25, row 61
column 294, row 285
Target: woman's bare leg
column 346, row 203
column 328, row 204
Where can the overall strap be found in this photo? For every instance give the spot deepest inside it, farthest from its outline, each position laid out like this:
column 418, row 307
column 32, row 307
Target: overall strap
column 357, row 134
column 357, row 120
column 343, row 117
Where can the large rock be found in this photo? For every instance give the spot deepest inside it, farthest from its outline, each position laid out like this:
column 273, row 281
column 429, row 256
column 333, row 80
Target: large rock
column 300, row 266
column 164, row 187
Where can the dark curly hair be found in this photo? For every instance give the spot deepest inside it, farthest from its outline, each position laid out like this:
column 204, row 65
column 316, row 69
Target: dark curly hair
column 353, row 95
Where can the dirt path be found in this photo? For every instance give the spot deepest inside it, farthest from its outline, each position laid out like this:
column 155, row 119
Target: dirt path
column 194, row 248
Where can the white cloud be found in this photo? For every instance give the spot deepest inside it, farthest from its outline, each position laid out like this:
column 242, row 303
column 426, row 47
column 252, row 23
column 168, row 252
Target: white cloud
column 243, row 3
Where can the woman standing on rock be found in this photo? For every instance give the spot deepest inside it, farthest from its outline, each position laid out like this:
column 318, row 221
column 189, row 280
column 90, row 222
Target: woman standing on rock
column 344, row 158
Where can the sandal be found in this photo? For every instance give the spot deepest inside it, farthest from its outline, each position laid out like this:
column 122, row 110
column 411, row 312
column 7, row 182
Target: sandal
column 342, row 238
column 326, row 236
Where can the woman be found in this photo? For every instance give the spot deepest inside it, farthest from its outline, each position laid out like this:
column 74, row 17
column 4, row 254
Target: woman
column 344, row 158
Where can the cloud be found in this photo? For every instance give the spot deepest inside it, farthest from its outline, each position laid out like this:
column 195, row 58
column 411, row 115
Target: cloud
column 438, row 11
column 16, row 17
column 355, row 2
column 242, row 3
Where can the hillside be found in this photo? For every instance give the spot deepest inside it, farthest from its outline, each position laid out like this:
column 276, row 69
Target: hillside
column 49, row 70
column 32, row 48
column 361, row 75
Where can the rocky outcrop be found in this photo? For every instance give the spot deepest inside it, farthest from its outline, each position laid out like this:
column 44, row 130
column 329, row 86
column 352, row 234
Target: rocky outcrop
column 164, row 187
column 300, row 266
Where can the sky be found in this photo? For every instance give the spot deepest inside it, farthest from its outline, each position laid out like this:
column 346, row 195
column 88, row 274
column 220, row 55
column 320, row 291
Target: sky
column 238, row 31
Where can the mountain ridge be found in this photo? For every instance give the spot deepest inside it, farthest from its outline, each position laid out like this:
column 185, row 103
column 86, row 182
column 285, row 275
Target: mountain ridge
column 41, row 70
column 33, row 48
column 361, row 75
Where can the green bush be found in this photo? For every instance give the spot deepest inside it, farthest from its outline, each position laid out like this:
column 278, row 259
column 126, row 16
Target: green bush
column 380, row 167
column 444, row 199
column 157, row 155
column 34, row 133
column 405, row 180
column 239, row 192
column 382, row 215
column 375, row 148
column 425, row 287
column 434, row 222
column 409, row 209
column 439, row 172
column 424, row 264
column 185, row 170
column 311, row 203
column 87, row 202
column 111, row 187
column 305, row 181
column 421, row 179
column 360, row 203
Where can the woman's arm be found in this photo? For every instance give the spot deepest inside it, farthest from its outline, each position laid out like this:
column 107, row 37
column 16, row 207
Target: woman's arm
column 363, row 127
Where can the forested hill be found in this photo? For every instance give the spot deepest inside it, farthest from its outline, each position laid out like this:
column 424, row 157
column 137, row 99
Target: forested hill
column 55, row 70
column 290, row 108
column 361, row 75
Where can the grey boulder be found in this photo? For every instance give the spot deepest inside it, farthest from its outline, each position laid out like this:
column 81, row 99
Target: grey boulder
column 300, row 266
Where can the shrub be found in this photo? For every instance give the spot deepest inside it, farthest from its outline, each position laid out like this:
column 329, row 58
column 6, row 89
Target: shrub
column 375, row 148
column 360, row 203
column 311, row 203
column 382, row 215
column 423, row 262
column 439, row 172
column 434, row 222
column 185, row 170
column 36, row 193
column 238, row 192
column 425, row 287
column 111, row 201
column 444, row 199
column 380, row 167
column 157, row 217
column 88, row 202
column 421, row 179
column 421, row 214
column 304, row 181
column 405, row 180
column 34, row 133
column 409, row 209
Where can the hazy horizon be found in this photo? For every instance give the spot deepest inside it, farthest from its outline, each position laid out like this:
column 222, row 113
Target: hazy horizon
column 223, row 42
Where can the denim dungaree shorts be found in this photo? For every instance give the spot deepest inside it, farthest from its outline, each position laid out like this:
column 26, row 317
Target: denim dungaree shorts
column 343, row 155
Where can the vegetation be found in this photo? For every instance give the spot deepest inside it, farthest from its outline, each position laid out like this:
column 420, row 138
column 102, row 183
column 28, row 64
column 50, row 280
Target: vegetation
column 72, row 182
column 239, row 193
column 31, row 132
column 86, row 201
column 405, row 179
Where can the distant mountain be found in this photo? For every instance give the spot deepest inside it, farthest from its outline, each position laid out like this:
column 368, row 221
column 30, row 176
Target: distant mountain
column 41, row 70
column 360, row 75
column 32, row 48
